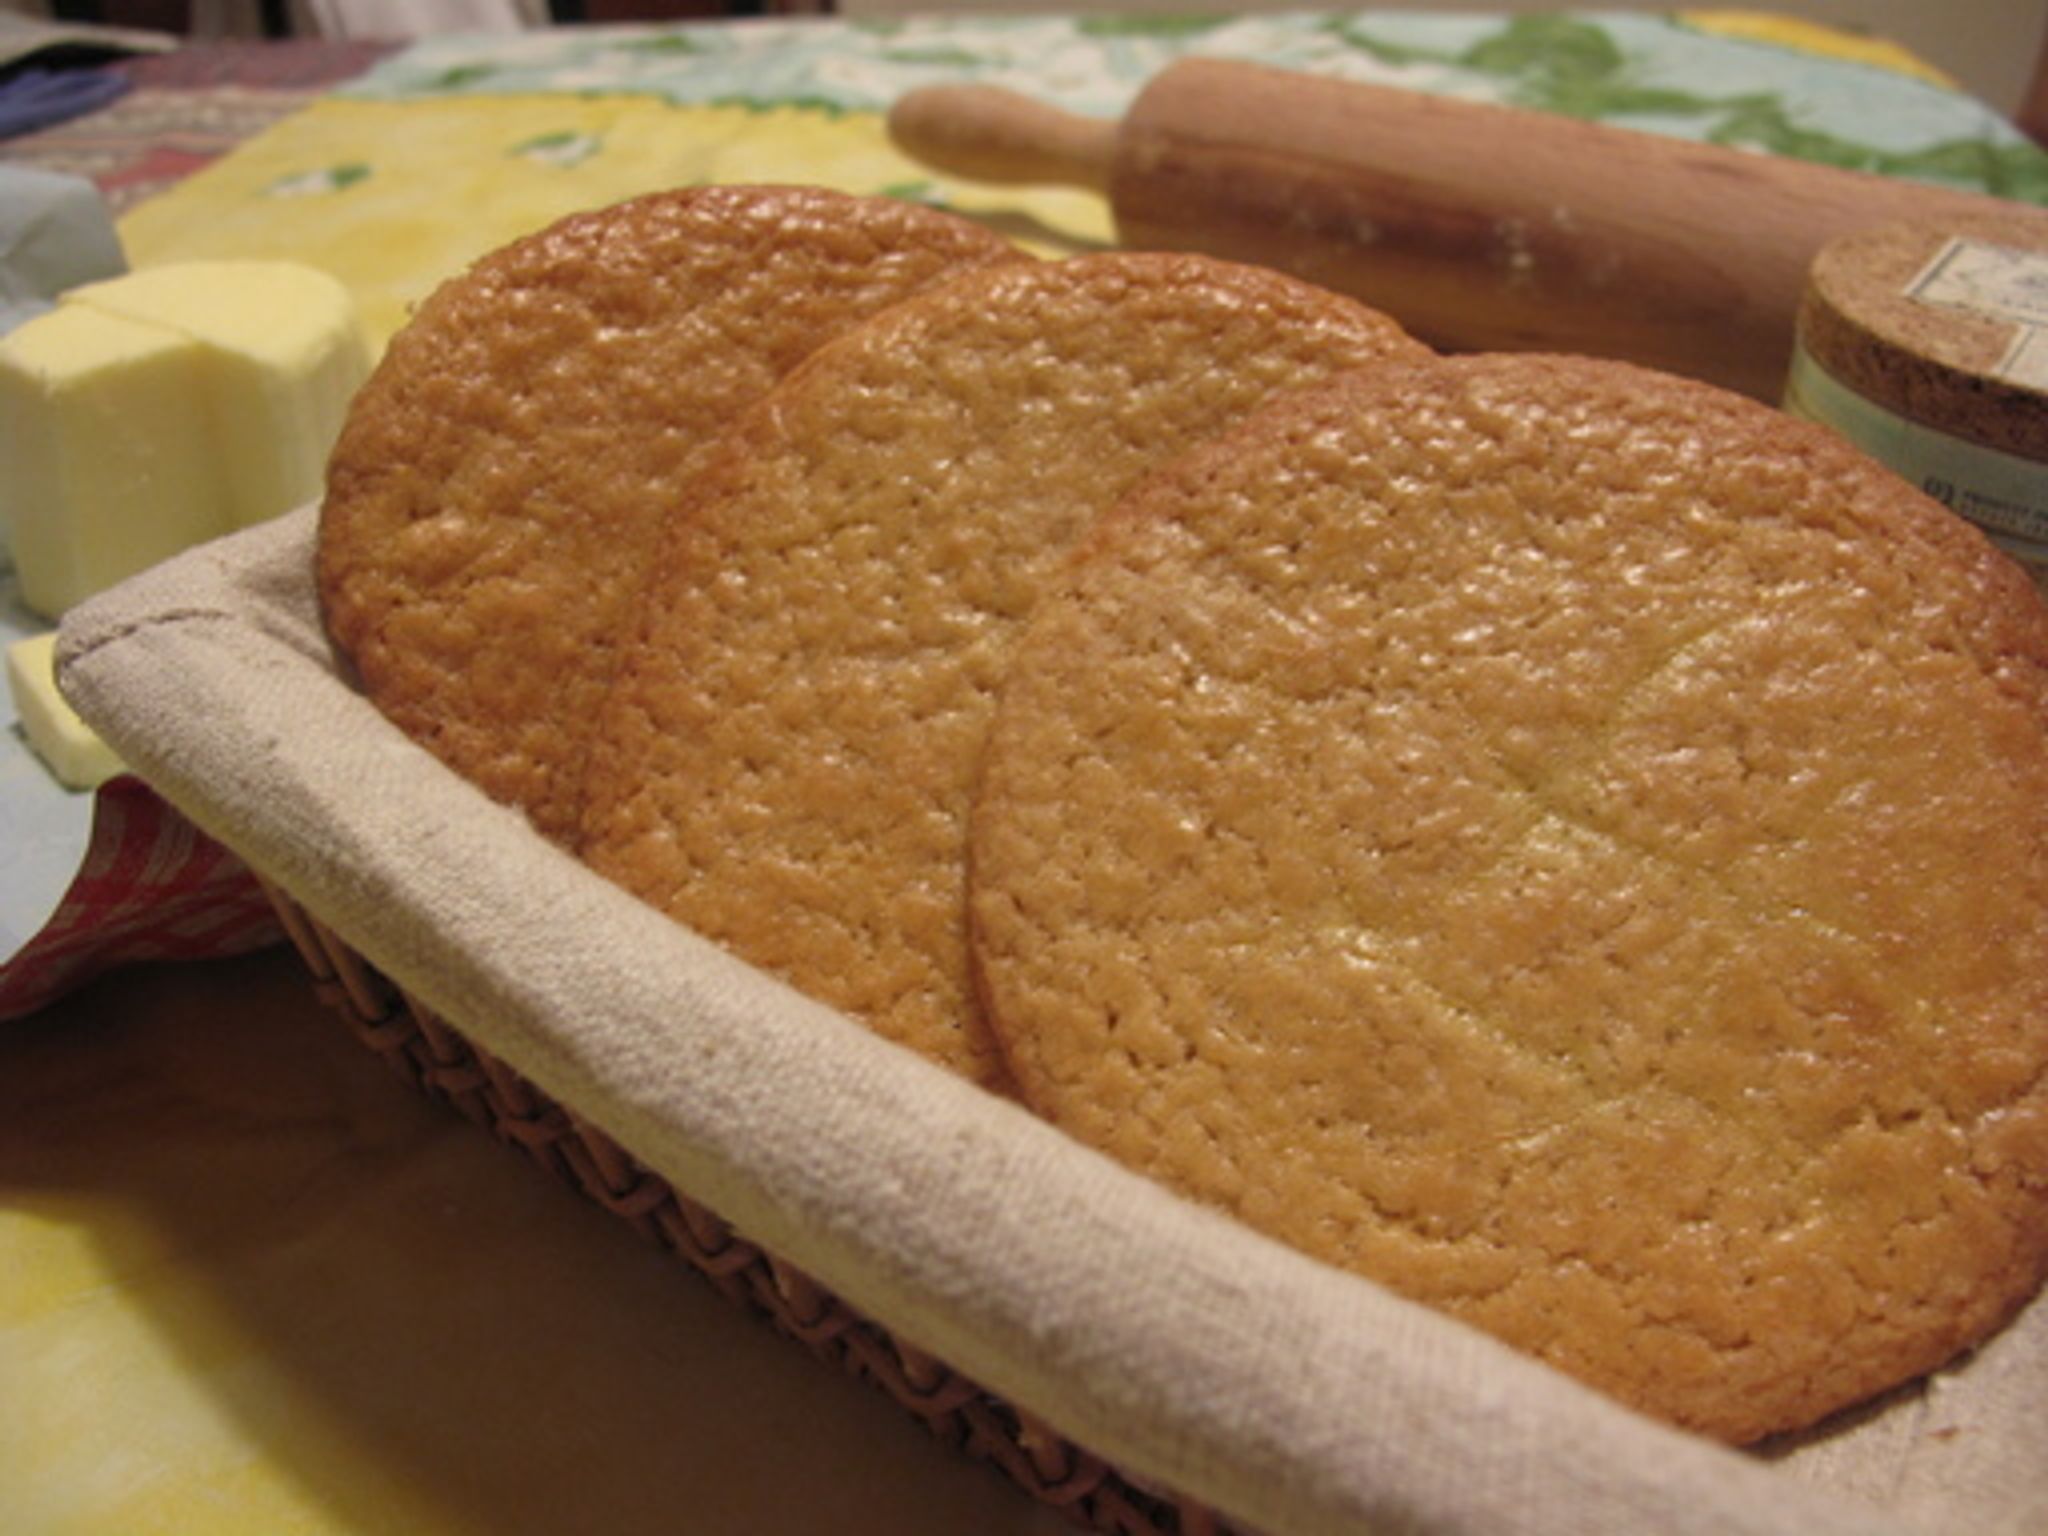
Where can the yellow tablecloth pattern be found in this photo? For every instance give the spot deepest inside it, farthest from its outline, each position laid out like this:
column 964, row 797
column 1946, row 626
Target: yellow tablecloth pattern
column 454, row 182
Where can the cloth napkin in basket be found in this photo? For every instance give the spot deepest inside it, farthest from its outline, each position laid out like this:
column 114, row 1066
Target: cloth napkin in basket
column 150, row 887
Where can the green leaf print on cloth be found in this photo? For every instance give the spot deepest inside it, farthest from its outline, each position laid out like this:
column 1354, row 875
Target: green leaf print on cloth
column 1651, row 72
column 1573, row 66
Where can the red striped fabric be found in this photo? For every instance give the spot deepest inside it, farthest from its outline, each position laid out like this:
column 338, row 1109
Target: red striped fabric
column 151, row 887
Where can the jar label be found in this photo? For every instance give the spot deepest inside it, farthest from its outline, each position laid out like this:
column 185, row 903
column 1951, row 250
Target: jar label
column 2026, row 361
column 1998, row 282
column 2003, row 494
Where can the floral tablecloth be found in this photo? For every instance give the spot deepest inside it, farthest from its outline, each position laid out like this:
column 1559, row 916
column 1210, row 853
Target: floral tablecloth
column 454, row 145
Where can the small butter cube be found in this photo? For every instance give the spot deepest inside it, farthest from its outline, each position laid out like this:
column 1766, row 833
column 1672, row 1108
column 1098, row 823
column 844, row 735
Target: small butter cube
column 77, row 756
column 166, row 407
column 282, row 350
column 107, row 462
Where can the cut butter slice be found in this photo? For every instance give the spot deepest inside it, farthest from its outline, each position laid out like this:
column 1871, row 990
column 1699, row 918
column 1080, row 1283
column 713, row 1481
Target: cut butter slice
column 156, row 410
column 106, row 459
column 281, row 350
column 73, row 751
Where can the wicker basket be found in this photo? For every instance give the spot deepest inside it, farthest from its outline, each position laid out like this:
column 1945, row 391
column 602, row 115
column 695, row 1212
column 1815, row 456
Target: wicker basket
column 971, row 1241
column 424, row 1050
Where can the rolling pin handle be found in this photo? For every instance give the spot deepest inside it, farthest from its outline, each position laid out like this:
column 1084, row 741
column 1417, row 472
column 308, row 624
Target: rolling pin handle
column 986, row 133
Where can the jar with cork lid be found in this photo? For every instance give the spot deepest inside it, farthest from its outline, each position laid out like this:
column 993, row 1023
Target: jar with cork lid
column 1926, row 345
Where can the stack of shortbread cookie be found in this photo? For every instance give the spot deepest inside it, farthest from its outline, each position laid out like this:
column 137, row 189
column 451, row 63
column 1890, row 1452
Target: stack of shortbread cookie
column 1566, row 843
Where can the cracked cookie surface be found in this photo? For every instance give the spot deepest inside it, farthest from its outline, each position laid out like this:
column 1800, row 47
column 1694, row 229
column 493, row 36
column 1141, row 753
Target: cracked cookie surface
column 1562, row 842
column 786, row 764
column 498, row 492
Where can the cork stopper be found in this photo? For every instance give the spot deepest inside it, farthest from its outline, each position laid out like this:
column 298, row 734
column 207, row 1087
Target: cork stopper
column 1945, row 324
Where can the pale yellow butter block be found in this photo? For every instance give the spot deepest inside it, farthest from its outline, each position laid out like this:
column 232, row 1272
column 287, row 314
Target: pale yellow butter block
column 107, row 461
column 153, row 411
column 70, row 747
column 282, row 351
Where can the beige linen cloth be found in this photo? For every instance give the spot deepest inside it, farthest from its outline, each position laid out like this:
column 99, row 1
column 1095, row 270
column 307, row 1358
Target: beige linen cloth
column 1189, row 1351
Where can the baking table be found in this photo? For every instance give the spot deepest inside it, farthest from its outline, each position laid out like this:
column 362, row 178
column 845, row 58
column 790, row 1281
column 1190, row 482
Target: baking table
column 218, row 1213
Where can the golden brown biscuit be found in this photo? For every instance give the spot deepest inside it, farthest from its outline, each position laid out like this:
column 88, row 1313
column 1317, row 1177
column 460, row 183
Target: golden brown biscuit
column 1568, row 844
column 500, row 486
column 786, row 764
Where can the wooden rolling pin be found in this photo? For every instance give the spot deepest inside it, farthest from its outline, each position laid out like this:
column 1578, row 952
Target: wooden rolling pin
column 1478, row 227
